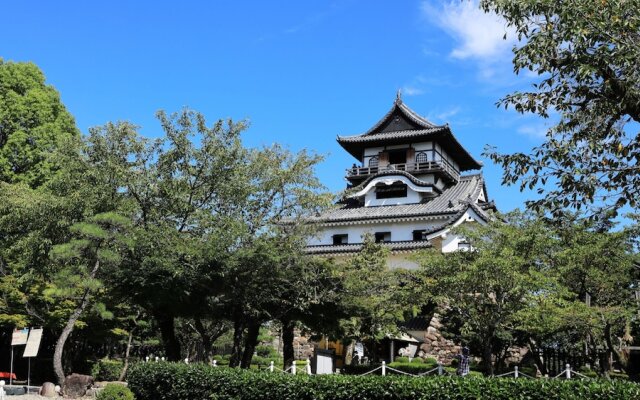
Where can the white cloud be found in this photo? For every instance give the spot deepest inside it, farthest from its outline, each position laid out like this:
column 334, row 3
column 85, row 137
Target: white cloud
column 535, row 132
column 411, row 90
column 443, row 116
column 478, row 35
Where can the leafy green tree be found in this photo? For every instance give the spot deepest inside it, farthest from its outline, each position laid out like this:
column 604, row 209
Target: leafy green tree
column 99, row 244
column 485, row 289
column 597, row 267
column 179, row 192
column 373, row 296
column 33, row 123
column 273, row 280
column 586, row 55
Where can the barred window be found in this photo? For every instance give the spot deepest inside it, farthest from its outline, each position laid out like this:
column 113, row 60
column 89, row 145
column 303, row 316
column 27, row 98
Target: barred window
column 373, row 162
column 422, row 157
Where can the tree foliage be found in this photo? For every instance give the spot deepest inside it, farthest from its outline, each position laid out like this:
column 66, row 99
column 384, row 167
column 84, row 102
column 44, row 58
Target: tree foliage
column 530, row 281
column 586, row 55
column 33, row 123
column 375, row 298
column 483, row 290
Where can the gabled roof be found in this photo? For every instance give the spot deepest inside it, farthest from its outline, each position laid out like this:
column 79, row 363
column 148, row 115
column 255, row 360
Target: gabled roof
column 400, row 110
column 402, row 125
column 454, row 200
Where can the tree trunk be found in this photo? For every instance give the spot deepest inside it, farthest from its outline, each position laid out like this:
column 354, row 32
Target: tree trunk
column 615, row 353
column 236, row 350
column 68, row 328
column 126, row 357
column 206, row 339
column 537, row 357
column 250, row 343
column 287, row 342
column 487, row 355
column 170, row 342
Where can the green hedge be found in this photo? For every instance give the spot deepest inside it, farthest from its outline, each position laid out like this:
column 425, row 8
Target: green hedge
column 176, row 381
column 107, row 370
column 115, row 392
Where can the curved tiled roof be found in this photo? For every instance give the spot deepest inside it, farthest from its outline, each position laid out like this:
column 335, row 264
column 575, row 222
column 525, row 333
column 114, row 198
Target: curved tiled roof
column 417, row 128
column 395, row 247
column 453, row 200
column 408, row 133
column 391, row 172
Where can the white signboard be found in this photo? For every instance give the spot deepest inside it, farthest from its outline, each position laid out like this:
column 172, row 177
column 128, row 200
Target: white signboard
column 359, row 349
column 19, row 336
column 33, row 343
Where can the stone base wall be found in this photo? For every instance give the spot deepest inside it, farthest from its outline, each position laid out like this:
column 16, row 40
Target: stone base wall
column 434, row 346
column 437, row 346
column 444, row 350
column 302, row 346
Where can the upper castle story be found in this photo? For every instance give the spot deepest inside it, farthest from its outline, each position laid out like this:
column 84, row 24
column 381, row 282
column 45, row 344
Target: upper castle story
column 423, row 159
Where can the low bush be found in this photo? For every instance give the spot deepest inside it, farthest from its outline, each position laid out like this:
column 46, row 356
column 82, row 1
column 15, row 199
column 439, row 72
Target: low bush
column 176, row 381
column 264, row 361
column 113, row 391
column 402, row 360
column 431, row 360
column 107, row 370
column 412, row 368
column 266, row 352
column 221, row 360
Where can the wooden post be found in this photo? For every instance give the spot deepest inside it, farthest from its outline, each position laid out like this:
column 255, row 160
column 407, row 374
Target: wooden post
column 271, row 366
column 440, row 371
column 215, row 363
column 567, row 371
column 384, row 368
column 515, row 371
column 392, row 349
column 293, row 367
column 308, row 366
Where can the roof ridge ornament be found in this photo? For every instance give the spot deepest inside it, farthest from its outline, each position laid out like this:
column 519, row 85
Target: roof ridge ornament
column 398, row 97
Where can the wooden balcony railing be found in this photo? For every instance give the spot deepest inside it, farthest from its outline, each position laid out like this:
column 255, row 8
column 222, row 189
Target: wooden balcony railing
column 415, row 167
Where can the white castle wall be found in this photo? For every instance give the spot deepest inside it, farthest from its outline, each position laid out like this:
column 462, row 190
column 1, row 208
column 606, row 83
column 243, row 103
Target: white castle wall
column 400, row 231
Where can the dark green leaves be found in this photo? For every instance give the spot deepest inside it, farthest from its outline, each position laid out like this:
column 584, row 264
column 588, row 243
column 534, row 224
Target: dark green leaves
column 587, row 54
column 169, row 381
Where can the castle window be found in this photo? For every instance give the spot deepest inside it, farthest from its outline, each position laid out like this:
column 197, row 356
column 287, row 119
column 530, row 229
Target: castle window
column 373, row 162
column 391, row 191
column 340, row 239
column 383, row 237
column 398, row 156
column 419, row 234
column 422, row 157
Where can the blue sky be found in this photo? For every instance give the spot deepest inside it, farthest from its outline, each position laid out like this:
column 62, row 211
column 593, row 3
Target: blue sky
column 301, row 71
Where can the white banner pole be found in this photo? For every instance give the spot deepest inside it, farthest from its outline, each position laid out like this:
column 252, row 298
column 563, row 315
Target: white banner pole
column 11, row 373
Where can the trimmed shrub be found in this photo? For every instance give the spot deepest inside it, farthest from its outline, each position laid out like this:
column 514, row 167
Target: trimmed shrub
column 402, row 360
column 176, row 381
column 412, row 368
column 431, row 360
column 107, row 370
column 266, row 352
column 113, row 391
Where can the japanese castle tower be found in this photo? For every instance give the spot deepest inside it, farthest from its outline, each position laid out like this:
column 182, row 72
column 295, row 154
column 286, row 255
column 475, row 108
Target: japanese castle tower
column 411, row 186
